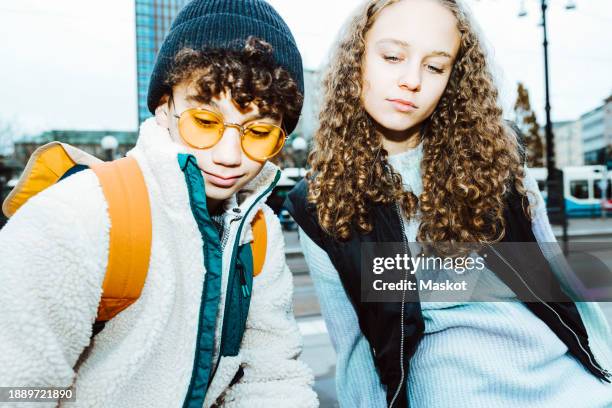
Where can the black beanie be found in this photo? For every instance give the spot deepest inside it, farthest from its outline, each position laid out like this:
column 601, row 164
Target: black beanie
column 226, row 24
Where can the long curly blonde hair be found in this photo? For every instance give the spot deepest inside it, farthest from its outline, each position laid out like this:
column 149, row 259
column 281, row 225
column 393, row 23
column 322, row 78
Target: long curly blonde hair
column 470, row 157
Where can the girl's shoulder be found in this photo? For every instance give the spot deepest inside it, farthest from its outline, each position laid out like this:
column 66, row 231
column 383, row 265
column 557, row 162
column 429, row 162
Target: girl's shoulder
column 304, row 212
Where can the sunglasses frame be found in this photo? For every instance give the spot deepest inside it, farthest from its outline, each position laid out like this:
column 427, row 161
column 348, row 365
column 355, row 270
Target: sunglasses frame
column 224, row 125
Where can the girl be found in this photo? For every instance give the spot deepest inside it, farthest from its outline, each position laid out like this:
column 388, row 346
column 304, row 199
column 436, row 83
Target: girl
column 412, row 147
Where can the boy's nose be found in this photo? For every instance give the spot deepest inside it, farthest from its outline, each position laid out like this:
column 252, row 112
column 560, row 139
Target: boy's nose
column 228, row 152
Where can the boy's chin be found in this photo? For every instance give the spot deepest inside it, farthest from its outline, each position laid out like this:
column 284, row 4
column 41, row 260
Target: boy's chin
column 220, row 193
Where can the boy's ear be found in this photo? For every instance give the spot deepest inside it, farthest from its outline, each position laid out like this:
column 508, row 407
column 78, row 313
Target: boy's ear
column 162, row 112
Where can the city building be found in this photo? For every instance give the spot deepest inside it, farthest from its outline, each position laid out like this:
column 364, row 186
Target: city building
column 608, row 131
column 87, row 140
column 568, row 143
column 592, row 134
column 597, row 133
column 308, row 122
column 153, row 20
column 307, row 125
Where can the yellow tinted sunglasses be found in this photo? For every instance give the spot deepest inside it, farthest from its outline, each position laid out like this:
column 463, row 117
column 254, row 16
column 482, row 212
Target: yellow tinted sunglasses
column 202, row 129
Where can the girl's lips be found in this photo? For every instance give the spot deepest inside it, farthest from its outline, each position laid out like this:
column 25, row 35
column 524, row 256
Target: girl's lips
column 403, row 106
column 221, row 182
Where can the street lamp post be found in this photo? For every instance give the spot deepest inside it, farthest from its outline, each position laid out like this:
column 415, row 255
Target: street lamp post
column 299, row 146
column 109, row 145
column 550, row 151
column 554, row 180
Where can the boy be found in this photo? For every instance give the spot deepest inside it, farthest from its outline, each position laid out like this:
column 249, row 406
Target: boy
column 226, row 89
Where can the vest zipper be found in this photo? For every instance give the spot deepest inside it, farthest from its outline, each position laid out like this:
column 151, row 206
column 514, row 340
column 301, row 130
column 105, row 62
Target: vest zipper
column 225, row 237
column 243, row 283
column 605, row 373
column 404, row 242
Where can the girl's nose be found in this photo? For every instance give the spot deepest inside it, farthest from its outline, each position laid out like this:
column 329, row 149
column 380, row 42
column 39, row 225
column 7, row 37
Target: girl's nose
column 410, row 77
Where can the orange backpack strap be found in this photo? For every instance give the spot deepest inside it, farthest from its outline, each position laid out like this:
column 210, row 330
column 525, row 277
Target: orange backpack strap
column 45, row 167
column 260, row 242
column 130, row 234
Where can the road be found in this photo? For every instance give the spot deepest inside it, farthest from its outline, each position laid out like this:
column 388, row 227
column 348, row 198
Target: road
column 318, row 351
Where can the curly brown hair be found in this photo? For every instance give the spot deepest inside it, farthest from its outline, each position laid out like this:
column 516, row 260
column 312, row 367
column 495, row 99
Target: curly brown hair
column 470, row 157
column 249, row 74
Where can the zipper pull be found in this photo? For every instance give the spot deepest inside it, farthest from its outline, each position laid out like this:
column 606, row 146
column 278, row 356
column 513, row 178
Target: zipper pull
column 243, row 284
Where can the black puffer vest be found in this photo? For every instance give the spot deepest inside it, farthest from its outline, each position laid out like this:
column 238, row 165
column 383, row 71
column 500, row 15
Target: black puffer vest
column 381, row 322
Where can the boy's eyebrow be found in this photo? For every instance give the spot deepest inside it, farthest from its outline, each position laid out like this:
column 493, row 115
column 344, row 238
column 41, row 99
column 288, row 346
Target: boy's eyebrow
column 193, row 99
column 404, row 44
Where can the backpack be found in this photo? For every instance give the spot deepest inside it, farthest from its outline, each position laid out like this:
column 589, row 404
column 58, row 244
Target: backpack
column 129, row 211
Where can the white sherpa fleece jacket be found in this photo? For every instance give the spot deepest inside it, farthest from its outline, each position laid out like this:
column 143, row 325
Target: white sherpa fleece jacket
column 53, row 256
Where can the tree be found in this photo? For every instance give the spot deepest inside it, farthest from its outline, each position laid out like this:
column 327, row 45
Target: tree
column 8, row 135
column 527, row 122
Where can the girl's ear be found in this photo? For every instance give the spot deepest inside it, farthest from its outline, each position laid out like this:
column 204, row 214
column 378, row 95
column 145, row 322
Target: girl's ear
column 162, row 112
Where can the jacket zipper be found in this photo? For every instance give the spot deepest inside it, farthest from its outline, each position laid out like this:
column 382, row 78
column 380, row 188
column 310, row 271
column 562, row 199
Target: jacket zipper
column 226, row 230
column 404, row 239
column 244, row 286
column 603, row 372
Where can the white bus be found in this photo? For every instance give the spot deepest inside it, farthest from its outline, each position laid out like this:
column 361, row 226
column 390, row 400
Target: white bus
column 584, row 188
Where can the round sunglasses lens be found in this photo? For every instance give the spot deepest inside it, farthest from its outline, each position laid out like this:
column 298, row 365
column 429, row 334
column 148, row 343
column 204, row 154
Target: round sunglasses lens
column 262, row 141
column 199, row 128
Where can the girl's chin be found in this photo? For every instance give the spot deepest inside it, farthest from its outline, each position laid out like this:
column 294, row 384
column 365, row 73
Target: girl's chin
column 395, row 121
column 397, row 126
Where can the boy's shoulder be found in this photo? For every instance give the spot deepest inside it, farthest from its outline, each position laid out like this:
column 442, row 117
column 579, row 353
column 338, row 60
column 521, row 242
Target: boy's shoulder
column 76, row 201
column 82, row 189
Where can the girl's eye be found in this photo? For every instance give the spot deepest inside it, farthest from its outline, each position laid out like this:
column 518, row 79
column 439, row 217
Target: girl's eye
column 435, row 69
column 391, row 58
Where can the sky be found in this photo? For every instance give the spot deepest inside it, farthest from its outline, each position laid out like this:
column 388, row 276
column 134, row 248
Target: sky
column 70, row 64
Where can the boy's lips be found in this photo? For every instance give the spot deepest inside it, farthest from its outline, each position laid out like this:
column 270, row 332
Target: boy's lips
column 221, row 181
